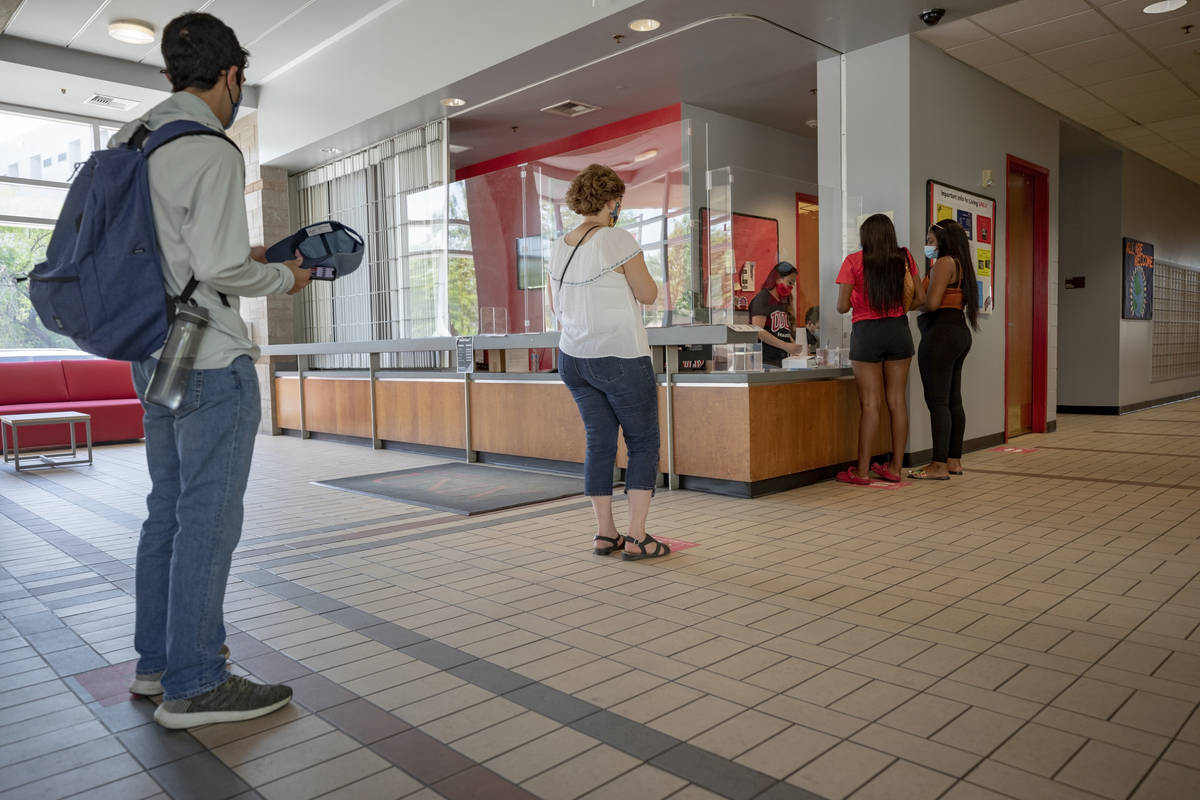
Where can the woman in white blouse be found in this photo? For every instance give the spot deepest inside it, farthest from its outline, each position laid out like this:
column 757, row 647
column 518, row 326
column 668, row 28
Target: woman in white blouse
column 599, row 283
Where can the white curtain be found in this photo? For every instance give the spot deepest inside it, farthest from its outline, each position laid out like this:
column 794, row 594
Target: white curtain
column 393, row 193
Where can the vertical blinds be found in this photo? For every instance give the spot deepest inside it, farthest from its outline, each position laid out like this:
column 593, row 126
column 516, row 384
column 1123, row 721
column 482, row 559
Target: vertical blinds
column 394, row 194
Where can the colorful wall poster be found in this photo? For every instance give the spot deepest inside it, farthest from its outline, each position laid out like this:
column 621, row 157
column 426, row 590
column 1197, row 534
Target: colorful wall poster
column 976, row 214
column 1137, row 295
column 983, row 229
column 965, row 219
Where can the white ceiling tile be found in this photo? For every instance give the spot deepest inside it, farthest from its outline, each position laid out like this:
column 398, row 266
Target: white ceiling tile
column 1042, row 85
column 1060, row 33
column 1133, row 64
column 985, row 52
column 95, row 38
column 1138, row 85
column 1096, row 51
column 1106, row 124
column 1027, row 13
column 1169, row 32
column 1127, row 14
column 1147, row 110
column 951, row 34
column 1183, row 54
column 251, row 20
column 1093, row 110
column 1017, row 69
column 311, row 28
column 1065, row 101
column 53, row 22
column 1175, row 127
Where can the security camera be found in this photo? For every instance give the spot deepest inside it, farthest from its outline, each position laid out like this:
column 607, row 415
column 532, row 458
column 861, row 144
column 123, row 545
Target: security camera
column 932, row 16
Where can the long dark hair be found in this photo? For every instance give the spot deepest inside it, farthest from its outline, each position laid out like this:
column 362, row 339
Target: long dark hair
column 952, row 241
column 884, row 263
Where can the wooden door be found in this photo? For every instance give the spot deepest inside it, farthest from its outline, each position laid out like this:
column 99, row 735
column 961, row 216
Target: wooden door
column 1019, row 303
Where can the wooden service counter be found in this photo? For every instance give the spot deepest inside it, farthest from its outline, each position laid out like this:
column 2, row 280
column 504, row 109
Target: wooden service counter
column 740, row 434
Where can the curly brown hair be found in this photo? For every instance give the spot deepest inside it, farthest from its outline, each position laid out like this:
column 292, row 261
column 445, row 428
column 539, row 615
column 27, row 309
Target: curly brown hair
column 594, row 187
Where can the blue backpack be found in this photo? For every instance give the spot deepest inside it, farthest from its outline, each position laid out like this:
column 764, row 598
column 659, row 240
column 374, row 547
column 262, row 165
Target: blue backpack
column 102, row 283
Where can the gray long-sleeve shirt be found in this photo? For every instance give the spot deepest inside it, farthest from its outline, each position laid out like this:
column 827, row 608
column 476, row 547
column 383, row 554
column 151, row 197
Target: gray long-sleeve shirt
column 197, row 189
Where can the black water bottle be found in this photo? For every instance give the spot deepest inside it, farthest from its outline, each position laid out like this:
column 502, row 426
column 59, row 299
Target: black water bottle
column 169, row 383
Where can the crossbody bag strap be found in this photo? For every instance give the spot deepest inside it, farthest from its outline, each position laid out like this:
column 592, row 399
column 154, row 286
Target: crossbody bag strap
column 572, row 256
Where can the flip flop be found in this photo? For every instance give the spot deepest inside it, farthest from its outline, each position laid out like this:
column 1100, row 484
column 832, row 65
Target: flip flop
column 883, row 472
column 921, row 476
column 850, row 475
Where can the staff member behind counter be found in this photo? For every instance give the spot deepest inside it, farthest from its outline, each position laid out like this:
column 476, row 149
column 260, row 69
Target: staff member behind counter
column 773, row 311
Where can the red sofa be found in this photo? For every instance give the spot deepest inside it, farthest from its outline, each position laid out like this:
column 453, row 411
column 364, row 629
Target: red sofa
column 103, row 389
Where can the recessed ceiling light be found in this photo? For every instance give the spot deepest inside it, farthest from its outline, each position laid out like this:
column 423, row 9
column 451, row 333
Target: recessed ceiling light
column 131, row 31
column 812, row 123
column 1164, row 6
column 645, row 25
column 645, row 155
column 331, row 150
column 453, row 102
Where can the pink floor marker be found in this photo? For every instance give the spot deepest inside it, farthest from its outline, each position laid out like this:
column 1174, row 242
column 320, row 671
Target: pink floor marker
column 1014, row 450
column 676, row 544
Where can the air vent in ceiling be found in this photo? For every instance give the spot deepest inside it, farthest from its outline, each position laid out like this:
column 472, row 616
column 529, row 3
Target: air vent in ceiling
column 108, row 101
column 571, row 108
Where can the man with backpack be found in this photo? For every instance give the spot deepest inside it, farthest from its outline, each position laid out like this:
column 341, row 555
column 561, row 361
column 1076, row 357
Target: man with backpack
column 199, row 454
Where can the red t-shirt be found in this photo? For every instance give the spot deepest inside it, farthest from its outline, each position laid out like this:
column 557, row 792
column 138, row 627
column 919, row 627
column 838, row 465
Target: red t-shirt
column 852, row 275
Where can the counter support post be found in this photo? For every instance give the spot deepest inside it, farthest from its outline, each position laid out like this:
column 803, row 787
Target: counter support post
column 301, row 368
column 669, row 355
column 471, row 455
column 373, row 370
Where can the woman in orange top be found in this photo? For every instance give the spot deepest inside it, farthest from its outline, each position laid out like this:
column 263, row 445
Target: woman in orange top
column 952, row 301
column 879, row 284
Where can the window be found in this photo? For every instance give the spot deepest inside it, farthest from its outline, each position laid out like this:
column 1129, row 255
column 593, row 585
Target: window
column 392, row 194
column 25, row 138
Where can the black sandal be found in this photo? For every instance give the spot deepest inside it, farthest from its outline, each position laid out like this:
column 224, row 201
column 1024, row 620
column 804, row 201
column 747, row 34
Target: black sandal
column 660, row 549
column 615, row 545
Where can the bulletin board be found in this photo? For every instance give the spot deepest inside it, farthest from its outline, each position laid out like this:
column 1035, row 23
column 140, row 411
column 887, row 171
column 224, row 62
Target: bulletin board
column 977, row 214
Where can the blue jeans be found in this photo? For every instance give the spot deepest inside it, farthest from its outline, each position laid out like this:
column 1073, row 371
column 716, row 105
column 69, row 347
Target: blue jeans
column 199, row 460
column 612, row 392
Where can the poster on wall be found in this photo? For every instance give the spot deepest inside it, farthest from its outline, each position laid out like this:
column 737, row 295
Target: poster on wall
column 1137, row 293
column 977, row 214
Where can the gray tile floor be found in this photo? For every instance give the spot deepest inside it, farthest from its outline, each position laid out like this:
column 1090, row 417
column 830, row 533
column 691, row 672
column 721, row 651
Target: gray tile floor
column 1030, row 630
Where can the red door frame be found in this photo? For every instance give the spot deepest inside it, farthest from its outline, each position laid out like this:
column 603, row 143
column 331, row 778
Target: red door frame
column 1041, row 286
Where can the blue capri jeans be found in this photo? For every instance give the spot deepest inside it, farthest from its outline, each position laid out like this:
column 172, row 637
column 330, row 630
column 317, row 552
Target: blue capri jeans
column 611, row 393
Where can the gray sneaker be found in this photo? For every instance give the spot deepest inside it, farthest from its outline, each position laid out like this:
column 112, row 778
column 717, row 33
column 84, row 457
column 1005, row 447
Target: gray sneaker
column 150, row 684
column 235, row 700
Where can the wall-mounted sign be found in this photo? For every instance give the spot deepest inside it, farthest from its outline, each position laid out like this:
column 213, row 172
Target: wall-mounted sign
column 977, row 215
column 1137, row 291
column 465, row 348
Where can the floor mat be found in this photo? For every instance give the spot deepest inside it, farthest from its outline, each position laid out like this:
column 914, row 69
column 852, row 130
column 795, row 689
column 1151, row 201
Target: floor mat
column 462, row 488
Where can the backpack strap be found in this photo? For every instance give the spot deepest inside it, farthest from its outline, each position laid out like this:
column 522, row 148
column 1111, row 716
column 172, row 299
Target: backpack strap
column 149, row 141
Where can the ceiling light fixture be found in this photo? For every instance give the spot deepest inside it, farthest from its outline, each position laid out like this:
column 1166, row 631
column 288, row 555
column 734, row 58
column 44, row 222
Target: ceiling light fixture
column 1164, row 6
column 645, row 25
column 645, row 155
column 331, row 150
column 131, row 31
column 812, row 123
column 453, row 102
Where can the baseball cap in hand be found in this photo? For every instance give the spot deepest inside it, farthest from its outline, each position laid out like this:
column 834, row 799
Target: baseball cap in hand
column 323, row 244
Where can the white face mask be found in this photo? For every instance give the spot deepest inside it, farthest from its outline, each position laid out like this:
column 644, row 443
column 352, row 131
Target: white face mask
column 931, row 252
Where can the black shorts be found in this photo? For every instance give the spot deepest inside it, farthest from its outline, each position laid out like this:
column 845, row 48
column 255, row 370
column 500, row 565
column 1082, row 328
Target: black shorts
column 875, row 340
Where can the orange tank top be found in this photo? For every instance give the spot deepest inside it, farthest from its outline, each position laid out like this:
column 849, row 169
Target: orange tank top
column 952, row 297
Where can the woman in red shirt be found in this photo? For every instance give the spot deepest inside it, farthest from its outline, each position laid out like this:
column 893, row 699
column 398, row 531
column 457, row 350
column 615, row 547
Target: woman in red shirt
column 878, row 283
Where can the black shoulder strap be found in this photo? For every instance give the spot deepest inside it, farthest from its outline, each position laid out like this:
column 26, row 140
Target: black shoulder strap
column 572, row 256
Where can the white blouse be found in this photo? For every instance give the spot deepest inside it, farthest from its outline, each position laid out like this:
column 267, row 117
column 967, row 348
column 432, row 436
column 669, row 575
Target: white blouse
column 597, row 313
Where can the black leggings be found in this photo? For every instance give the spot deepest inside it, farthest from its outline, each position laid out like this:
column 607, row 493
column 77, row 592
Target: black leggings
column 945, row 342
